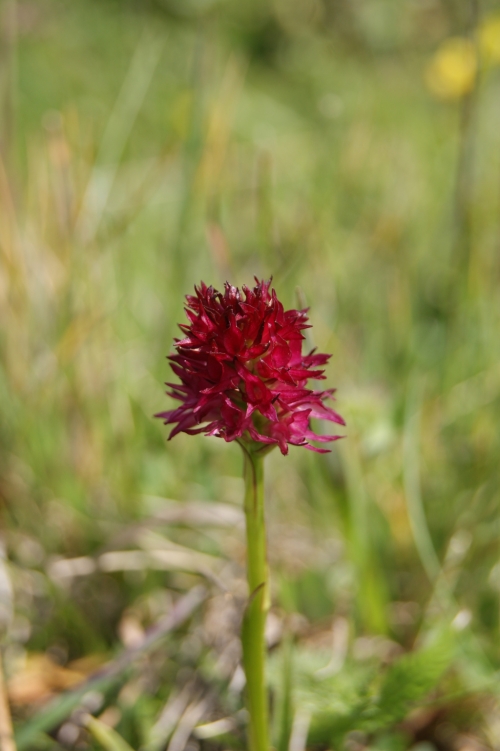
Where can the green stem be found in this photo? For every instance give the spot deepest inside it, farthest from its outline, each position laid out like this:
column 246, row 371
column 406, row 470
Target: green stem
column 254, row 621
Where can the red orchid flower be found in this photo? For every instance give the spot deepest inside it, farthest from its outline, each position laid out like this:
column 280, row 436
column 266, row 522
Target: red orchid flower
column 243, row 375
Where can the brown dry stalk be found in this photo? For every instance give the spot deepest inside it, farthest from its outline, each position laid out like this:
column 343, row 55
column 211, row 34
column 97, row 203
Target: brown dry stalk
column 7, row 742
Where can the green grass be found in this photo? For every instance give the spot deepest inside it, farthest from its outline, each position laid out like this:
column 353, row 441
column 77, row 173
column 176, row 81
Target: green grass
column 157, row 145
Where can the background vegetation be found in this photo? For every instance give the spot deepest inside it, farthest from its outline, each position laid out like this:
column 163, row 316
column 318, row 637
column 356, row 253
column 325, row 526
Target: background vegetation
column 352, row 151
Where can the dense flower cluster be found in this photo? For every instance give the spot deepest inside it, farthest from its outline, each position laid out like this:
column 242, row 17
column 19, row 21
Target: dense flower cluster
column 242, row 371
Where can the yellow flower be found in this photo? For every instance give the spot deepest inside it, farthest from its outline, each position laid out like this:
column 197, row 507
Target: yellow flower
column 452, row 71
column 489, row 39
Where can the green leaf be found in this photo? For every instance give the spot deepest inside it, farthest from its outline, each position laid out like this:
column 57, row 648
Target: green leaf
column 357, row 698
column 284, row 713
column 108, row 738
column 411, row 678
column 57, row 711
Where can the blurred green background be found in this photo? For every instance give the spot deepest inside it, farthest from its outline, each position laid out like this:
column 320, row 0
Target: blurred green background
column 352, row 151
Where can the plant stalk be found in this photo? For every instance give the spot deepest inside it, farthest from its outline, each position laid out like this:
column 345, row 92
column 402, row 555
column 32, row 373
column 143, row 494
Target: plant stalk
column 7, row 742
column 254, row 621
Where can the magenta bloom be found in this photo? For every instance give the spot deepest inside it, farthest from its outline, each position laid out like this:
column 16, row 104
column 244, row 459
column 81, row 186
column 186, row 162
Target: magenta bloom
column 243, row 375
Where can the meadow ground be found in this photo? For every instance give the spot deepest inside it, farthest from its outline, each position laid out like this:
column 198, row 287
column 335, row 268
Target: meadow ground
column 147, row 146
